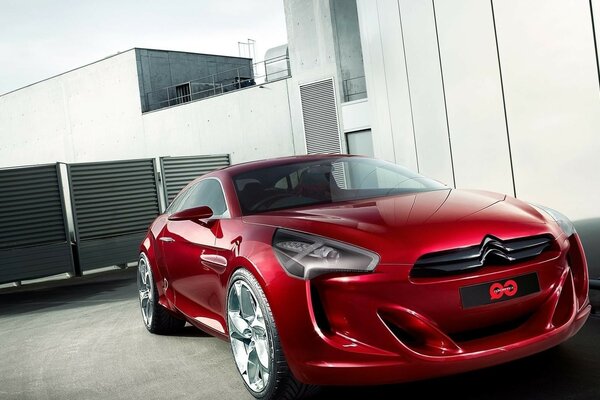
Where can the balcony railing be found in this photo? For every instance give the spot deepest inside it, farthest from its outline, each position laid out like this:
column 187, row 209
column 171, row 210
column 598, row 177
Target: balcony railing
column 219, row 83
column 354, row 88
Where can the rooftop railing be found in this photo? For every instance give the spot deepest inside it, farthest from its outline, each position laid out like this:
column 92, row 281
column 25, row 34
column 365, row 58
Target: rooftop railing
column 219, row 83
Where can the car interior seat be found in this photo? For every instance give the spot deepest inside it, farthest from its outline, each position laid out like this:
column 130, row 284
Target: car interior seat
column 315, row 183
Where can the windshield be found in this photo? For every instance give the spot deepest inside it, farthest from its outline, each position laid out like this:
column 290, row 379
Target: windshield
column 325, row 181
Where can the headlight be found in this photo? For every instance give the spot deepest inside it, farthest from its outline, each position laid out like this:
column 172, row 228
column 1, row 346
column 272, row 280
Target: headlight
column 307, row 256
column 565, row 223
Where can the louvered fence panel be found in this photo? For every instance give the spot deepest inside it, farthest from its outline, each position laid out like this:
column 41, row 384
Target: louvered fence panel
column 113, row 205
column 33, row 235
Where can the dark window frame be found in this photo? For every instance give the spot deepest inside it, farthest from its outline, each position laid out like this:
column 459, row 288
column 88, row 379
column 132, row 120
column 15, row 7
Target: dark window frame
column 179, row 203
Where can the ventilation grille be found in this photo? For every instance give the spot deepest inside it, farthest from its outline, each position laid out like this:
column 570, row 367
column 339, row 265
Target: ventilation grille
column 492, row 251
column 30, row 207
column 488, row 331
column 179, row 171
column 319, row 114
column 113, row 198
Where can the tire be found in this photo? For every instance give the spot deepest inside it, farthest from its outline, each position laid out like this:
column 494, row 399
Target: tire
column 157, row 319
column 255, row 342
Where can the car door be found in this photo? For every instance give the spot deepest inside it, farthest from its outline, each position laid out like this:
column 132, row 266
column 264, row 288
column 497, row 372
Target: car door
column 190, row 255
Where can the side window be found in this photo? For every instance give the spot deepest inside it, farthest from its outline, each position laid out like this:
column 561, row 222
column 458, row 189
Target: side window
column 206, row 193
column 176, row 203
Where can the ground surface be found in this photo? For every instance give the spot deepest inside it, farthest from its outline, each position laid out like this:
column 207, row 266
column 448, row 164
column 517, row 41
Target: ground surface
column 84, row 339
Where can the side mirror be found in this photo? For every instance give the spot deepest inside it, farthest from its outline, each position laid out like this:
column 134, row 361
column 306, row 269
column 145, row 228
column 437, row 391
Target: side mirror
column 192, row 214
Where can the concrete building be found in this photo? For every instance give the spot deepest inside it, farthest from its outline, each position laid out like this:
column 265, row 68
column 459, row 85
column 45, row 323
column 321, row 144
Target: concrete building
column 105, row 111
column 499, row 95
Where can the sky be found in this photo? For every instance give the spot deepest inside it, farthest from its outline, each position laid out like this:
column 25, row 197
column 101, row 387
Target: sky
column 43, row 38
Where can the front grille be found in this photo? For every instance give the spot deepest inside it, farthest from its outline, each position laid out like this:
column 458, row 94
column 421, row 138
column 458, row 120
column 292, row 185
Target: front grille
column 480, row 333
column 491, row 251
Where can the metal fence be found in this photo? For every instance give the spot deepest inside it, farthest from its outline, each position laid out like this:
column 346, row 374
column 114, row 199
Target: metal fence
column 68, row 220
column 179, row 171
column 113, row 204
column 34, row 236
column 218, row 83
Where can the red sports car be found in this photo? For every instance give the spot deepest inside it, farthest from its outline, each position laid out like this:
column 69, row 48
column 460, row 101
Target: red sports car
column 347, row 270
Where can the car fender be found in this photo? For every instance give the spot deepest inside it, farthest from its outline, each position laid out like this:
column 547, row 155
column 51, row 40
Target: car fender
column 147, row 247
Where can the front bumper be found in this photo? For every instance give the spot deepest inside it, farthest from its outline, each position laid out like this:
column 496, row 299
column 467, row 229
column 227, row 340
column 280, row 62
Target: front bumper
column 355, row 332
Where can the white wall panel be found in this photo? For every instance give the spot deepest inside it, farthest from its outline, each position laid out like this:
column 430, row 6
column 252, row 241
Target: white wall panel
column 88, row 114
column 249, row 124
column 94, row 114
column 385, row 72
column 552, row 100
column 595, row 10
column 355, row 115
column 370, row 36
column 473, row 95
column 426, row 90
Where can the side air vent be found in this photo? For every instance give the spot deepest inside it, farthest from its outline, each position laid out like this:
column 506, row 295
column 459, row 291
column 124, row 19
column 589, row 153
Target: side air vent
column 318, row 310
column 491, row 251
column 319, row 114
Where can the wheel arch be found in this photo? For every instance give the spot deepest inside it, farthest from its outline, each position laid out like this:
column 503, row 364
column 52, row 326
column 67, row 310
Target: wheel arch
column 147, row 247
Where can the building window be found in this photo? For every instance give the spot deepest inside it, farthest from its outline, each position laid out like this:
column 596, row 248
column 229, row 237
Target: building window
column 183, row 93
column 354, row 88
column 360, row 142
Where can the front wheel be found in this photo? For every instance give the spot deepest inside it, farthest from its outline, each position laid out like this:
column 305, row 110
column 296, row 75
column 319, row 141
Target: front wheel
column 255, row 342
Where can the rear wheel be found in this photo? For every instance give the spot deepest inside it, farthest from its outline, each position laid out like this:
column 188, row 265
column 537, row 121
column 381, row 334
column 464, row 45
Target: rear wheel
column 156, row 318
column 255, row 342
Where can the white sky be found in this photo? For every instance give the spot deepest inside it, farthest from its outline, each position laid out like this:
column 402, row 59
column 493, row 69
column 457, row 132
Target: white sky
column 43, row 38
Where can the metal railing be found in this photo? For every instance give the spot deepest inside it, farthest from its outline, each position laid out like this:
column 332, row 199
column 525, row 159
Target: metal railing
column 219, row 83
column 354, row 88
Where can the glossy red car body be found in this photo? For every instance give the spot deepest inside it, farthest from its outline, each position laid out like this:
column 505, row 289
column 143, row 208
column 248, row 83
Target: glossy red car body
column 384, row 326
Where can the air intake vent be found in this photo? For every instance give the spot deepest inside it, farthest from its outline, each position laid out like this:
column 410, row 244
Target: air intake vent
column 492, row 251
column 319, row 114
column 488, row 331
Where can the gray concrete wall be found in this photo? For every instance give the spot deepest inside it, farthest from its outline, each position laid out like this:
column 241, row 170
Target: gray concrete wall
column 348, row 49
column 324, row 42
column 159, row 69
column 248, row 124
column 311, row 48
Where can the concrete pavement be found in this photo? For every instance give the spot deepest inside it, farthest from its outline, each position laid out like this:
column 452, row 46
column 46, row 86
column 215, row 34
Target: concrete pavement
column 84, row 339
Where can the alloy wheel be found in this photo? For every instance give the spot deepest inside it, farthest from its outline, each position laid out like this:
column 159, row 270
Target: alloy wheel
column 249, row 336
column 145, row 290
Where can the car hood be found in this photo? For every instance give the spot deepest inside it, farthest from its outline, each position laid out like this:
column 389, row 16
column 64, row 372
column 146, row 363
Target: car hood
column 402, row 228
